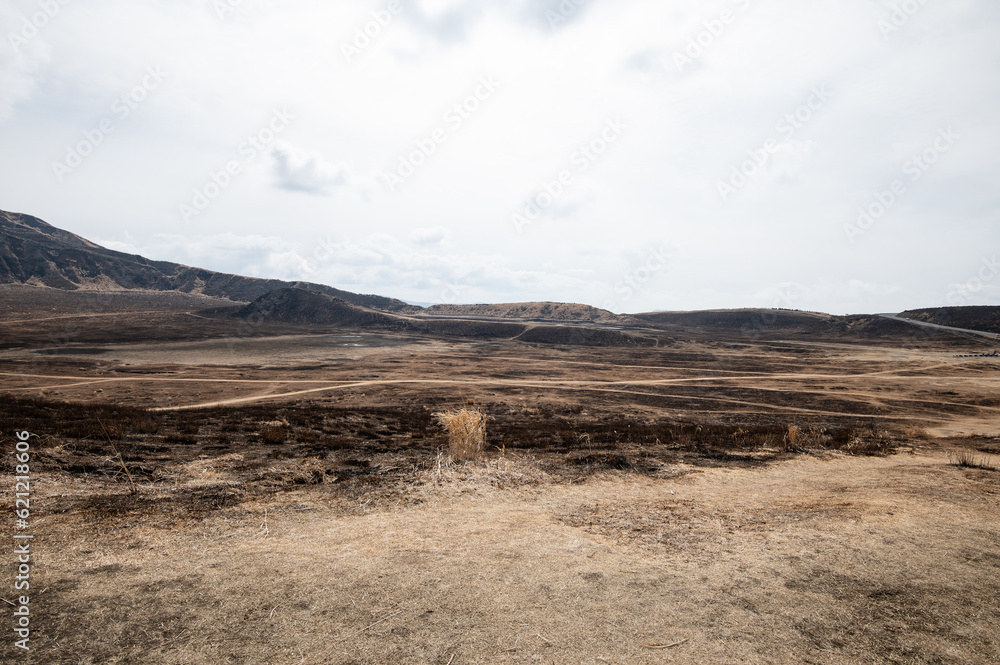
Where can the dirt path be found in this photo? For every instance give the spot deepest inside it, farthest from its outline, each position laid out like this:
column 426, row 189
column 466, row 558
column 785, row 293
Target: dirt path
column 81, row 316
column 554, row 385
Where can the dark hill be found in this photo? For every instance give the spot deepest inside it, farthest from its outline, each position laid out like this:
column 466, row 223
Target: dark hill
column 39, row 254
column 985, row 318
column 745, row 321
column 527, row 311
column 302, row 307
column 779, row 324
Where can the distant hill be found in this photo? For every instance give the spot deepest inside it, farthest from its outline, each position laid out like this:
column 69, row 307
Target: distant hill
column 36, row 253
column 786, row 324
column 527, row 311
column 73, row 275
column 301, row 307
column 985, row 318
column 304, row 307
column 311, row 308
column 743, row 320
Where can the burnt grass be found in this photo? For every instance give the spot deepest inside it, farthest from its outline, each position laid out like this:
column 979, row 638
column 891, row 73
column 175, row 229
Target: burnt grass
column 370, row 452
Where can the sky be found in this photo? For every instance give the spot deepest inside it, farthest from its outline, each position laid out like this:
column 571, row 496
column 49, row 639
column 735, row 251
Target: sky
column 637, row 155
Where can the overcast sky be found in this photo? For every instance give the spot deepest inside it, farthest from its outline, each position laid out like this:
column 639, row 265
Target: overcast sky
column 832, row 155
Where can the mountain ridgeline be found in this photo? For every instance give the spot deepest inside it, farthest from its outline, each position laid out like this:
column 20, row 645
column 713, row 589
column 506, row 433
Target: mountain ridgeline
column 42, row 262
column 36, row 253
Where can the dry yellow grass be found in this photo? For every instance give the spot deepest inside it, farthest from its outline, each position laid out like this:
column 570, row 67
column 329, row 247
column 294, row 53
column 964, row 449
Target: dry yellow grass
column 840, row 560
column 466, row 432
column 969, row 460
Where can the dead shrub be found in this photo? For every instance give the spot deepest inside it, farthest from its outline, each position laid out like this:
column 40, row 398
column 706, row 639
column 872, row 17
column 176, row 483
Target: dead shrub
column 466, row 432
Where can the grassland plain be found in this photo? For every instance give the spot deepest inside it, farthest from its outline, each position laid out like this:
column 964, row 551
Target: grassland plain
column 286, row 497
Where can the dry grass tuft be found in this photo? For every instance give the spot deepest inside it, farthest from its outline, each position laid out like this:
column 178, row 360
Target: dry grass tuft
column 872, row 444
column 797, row 439
column 969, row 460
column 272, row 433
column 306, row 471
column 466, row 432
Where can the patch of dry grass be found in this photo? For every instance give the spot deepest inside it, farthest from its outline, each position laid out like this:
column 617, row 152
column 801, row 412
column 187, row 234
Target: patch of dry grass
column 274, row 432
column 503, row 471
column 466, row 432
column 969, row 460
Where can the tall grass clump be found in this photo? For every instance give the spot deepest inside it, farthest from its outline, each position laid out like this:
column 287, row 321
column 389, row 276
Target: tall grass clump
column 466, row 432
column 969, row 460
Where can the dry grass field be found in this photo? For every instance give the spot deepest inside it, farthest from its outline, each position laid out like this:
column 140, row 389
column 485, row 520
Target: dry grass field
column 288, row 498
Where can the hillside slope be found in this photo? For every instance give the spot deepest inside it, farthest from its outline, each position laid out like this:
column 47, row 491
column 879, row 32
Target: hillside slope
column 303, row 307
column 789, row 324
column 985, row 318
column 36, row 253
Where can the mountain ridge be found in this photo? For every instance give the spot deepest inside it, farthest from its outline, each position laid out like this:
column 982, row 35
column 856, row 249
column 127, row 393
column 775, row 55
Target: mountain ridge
column 34, row 252
column 37, row 254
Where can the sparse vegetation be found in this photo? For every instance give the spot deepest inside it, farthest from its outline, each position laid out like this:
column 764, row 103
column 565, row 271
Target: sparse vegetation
column 466, row 432
column 274, row 432
column 969, row 460
column 576, row 488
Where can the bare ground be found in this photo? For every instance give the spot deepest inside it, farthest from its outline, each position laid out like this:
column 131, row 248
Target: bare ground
column 818, row 559
column 285, row 500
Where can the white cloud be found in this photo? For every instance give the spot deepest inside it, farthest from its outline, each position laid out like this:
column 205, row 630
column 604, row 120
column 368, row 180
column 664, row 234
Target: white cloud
column 431, row 236
column 298, row 170
column 449, row 227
